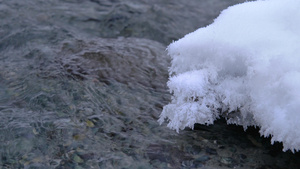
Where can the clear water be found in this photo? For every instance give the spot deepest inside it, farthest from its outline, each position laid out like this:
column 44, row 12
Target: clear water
column 82, row 84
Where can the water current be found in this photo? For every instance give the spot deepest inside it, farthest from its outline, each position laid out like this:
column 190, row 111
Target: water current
column 82, row 84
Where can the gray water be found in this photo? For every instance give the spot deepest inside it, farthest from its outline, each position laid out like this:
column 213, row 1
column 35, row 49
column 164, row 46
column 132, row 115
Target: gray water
column 82, row 84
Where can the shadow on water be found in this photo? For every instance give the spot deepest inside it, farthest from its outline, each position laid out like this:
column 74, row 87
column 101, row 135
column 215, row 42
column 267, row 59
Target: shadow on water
column 247, row 148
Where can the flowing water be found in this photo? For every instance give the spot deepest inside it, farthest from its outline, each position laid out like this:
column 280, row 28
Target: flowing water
column 82, row 84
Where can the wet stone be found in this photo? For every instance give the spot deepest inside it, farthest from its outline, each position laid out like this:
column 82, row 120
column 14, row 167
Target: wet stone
column 194, row 149
column 78, row 159
column 243, row 156
column 187, row 164
column 55, row 163
column 221, row 147
column 202, row 159
column 228, row 161
column 156, row 152
column 232, row 149
column 211, row 151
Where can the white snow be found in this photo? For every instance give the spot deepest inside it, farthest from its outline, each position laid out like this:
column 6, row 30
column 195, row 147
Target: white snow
column 244, row 67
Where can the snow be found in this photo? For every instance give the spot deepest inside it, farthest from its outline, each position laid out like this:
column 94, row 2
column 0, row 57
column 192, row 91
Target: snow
column 245, row 67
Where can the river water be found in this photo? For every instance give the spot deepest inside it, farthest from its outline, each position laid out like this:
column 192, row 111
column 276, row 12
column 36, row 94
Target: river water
column 83, row 82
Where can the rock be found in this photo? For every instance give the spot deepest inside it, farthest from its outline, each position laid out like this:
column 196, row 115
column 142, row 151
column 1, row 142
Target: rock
column 211, row 151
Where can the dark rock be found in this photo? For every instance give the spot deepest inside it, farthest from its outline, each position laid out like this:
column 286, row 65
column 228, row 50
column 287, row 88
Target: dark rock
column 202, row 159
column 193, row 149
column 187, row 164
column 243, row 156
column 211, row 151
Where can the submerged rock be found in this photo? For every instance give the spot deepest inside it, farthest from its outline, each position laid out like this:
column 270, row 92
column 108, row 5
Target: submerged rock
column 130, row 61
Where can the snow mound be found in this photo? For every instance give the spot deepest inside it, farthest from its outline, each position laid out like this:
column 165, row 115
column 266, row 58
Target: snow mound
column 244, row 67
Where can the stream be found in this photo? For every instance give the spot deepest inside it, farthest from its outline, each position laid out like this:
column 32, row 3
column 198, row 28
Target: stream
column 83, row 82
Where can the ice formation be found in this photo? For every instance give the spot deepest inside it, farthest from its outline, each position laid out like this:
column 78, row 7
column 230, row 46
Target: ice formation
column 245, row 67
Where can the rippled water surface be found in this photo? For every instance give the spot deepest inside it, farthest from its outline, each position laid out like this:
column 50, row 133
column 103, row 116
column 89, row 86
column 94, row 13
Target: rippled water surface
column 82, row 84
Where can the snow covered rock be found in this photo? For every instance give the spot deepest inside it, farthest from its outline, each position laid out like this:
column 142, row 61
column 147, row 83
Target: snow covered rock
column 245, row 67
